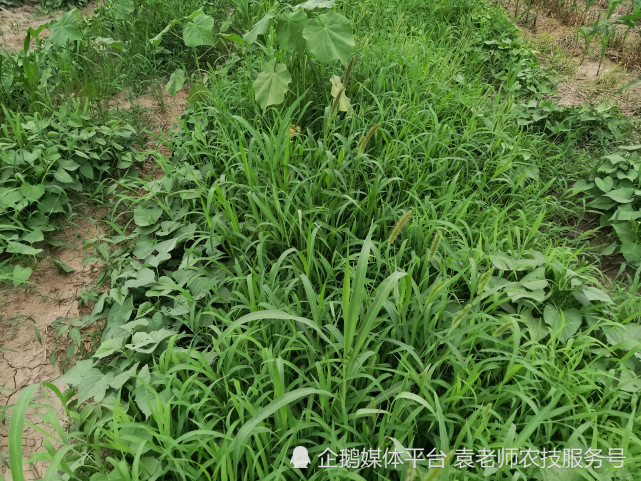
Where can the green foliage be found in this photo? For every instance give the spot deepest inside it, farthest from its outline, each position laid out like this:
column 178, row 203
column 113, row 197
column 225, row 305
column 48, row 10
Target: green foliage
column 51, row 5
column 614, row 191
column 547, row 295
column 272, row 84
column 594, row 124
column 395, row 278
column 44, row 161
column 327, row 37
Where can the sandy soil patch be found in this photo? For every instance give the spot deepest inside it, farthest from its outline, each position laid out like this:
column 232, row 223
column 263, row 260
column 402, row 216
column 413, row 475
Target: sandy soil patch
column 162, row 112
column 14, row 23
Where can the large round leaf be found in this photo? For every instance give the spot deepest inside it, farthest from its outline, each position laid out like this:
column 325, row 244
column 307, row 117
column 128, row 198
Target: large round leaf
column 200, row 31
column 260, row 28
column 66, row 29
column 271, row 84
column 289, row 31
column 330, row 37
column 122, row 9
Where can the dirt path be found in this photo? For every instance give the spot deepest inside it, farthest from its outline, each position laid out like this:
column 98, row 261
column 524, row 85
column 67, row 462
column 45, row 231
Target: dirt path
column 555, row 38
column 54, row 295
column 14, row 23
column 27, row 312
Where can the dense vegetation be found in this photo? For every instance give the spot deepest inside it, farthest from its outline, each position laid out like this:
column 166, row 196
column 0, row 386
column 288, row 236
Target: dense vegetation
column 372, row 249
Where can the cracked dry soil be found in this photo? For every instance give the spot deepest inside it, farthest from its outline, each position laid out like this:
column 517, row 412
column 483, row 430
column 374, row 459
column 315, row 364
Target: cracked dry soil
column 24, row 360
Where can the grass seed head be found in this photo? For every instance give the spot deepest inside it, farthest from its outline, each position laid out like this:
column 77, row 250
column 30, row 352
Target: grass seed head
column 461, row 314
column 436, row 242
column 399, row 226
column 362, row 145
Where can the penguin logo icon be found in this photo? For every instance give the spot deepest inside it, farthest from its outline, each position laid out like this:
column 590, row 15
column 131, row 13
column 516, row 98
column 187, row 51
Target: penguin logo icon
column 300, row 458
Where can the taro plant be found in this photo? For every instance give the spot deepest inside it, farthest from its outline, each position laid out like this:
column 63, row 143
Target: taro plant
column 614, row 191
column 284, row 28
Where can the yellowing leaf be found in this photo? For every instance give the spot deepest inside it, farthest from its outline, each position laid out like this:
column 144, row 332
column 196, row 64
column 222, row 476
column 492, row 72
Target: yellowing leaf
column 344, row 104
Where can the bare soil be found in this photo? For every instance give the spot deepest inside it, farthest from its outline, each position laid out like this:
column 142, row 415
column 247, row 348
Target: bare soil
column 162, row 112
column 14, row 23
column 54, row 294
column 26, row 360
column 555, row 33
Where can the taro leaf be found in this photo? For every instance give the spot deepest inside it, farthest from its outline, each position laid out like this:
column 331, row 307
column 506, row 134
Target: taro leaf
column 566, row 321
column 260, row 28
column 271, row 84
column 344, row 104
column 155, row 41
column 199, row 31
column 22, row 249
column 66, row 29
column 289, row 31
column 20, row 275
column 32, row 192
column 232, row 37
column 312, row 4
column 587, row 294
column 146, row 216
column 176, row 82
column 621, row 195
column 122, row 9
column 330, row 37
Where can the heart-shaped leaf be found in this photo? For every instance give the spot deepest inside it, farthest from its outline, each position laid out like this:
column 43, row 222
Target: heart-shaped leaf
column 330, row 37
column 66, row 29
column 271, row 84
column 122, row 9
column 32, row 192
column 199, row 31
column 260, row 28
column 21, row 274
column 176, row 82
column 564, row 323
column 289, row 31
